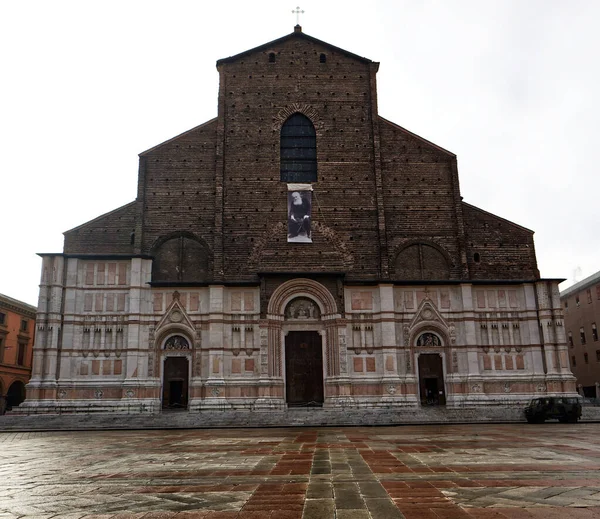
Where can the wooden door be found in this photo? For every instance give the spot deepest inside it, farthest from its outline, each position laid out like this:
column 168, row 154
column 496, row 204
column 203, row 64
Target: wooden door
column 431, row 379
column 175, row 383
column 304, row 369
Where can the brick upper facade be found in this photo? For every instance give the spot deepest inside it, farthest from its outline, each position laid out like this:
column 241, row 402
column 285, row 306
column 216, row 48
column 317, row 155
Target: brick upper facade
column 387, row 202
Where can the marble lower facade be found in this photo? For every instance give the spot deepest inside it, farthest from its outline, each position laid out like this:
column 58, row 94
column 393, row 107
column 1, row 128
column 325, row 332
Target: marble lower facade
column 107, row 340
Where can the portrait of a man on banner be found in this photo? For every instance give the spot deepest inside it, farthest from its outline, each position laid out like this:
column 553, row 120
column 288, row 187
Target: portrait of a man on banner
column 299, row 215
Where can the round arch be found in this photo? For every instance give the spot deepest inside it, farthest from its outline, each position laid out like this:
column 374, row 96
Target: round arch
column 422, row 259
column 301, row 287
column 15, row 394
column 429, row 327
column 171, row 330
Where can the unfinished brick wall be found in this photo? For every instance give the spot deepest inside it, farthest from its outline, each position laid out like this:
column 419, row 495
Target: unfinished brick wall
column 108, row 234
column 256, row 97
column 421, row 200
column 505, row 250
column 386, row 204
column 177, row 186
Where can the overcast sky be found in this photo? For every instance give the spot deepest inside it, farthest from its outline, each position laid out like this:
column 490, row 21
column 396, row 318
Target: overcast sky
column 511, row 87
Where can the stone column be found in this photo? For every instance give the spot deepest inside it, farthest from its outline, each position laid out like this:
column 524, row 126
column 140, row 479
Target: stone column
column 215, row 382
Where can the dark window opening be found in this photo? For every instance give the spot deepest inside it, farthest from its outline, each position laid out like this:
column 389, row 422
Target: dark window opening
column 597, row 355
column 476, row 257
column 271, row 57
column 594, row 332
column 585, row 358
column 21, row 355
column 570, row 339
column 582, row 335
column 573, row 361
column 298, row 150
column 322, row 58
column 2, row 318
column 23, row 325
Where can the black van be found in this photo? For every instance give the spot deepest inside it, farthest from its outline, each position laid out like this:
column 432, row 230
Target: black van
column 565, row 409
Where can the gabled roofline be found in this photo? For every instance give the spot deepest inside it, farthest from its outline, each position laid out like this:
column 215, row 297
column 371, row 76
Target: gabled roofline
column 177, row 136
column 100, row 217
column 499, row 217
column 443, row 150
column 296, row 34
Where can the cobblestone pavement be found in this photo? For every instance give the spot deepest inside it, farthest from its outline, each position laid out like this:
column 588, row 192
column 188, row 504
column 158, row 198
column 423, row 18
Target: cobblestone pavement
column 421, row 472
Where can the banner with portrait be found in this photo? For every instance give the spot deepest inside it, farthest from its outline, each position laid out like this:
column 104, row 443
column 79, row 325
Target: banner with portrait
column 299, row 213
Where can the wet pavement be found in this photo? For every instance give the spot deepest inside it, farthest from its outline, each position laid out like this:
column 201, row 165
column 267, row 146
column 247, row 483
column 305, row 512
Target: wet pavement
column 418, row 472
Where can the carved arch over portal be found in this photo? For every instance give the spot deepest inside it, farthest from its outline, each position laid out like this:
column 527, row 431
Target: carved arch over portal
column 301, row 287
column 429, row 327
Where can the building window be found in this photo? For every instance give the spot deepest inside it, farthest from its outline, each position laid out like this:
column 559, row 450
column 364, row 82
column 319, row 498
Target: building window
column 21, row 354
column 598, row 291
column 585, row 358
column 594, row 332
column 476, row 257
column 597, row 355
column 271, row 57
column 24, row 324
column 2, row 318
column 1, row 349
column 322, row 58
column 577, row 301
column 298, row 150
column 573, row 361
column 566, row 304
column 582, row 335
column 589, row 295
column 570, row 337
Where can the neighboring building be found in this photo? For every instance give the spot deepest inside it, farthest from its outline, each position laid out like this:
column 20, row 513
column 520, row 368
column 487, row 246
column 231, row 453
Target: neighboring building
column 296, row 250
column 581, row 304
column 17, row 329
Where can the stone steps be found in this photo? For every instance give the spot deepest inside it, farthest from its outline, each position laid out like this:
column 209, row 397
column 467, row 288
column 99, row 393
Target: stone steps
column 310, row 417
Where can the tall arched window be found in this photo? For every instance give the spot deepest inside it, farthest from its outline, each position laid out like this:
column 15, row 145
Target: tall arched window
column 298, row 150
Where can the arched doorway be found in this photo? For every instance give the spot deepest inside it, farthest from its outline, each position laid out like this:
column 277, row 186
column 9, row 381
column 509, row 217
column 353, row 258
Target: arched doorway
column 431, row 371
column 175, row 383
column 304, row 369
column 15, row 394
column 303, row 354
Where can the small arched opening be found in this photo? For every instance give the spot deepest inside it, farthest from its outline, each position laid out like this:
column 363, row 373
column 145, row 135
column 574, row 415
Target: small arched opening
column 15, row 394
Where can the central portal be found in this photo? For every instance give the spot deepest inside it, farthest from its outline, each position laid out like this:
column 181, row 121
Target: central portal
column 175, row 383
column 304, row 369
column 431, row 379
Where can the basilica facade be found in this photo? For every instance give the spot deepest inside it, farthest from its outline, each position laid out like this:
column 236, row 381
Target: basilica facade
column 297, row 250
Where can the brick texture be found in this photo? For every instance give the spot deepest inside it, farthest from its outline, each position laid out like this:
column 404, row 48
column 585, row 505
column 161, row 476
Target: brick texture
column 386, row 204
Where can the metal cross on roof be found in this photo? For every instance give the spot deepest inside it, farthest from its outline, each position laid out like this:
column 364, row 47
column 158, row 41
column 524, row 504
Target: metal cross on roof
column 297, row 12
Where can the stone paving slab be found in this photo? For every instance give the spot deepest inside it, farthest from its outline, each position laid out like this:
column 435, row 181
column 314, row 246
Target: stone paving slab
column 509, row 471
